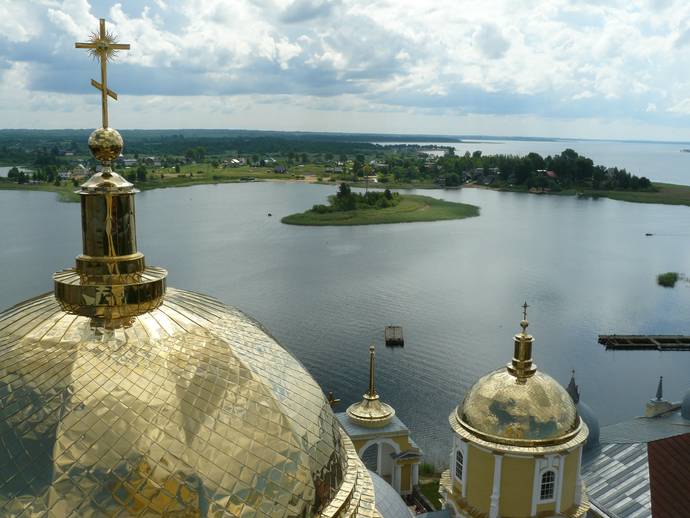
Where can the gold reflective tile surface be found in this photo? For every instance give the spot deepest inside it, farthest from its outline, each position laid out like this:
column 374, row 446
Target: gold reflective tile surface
column 193, row 410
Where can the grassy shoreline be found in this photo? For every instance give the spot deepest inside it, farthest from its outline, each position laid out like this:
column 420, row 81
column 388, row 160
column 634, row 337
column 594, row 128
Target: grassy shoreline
column 203, row 174
column 412, row 208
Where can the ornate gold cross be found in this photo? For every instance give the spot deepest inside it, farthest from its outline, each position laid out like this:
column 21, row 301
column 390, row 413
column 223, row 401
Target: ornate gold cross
column 102, row 45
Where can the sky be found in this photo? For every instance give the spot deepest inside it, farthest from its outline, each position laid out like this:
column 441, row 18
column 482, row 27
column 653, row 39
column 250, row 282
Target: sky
column 555, row 68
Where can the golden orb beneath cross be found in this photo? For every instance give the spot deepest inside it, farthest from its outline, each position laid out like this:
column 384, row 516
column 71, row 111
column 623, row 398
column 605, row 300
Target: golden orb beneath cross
column 105, row 144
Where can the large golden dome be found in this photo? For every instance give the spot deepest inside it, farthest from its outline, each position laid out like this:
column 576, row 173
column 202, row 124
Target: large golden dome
column 192, row 410
column 119, row 398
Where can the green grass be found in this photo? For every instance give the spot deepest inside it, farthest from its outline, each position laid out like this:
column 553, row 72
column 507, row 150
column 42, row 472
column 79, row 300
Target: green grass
column 668, row 279
column 65, row 191
column 664, row 193
column 411, row 208
column 430, row 491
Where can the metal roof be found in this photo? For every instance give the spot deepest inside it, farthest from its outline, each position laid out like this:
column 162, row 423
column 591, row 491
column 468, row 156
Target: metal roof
column 617, row 479
column 644, row 429
column 669, row 469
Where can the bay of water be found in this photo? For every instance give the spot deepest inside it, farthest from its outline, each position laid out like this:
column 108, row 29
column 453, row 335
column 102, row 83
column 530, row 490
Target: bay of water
column 326, row 293
column 658, row 161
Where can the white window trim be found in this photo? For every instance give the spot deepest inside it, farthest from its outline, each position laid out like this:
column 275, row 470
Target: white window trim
column 555, row 486
column 541, row 465
column 461, row 446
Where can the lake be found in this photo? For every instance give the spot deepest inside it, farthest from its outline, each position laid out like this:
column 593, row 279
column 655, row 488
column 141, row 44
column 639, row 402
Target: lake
column 326, row 293
column 658, row 161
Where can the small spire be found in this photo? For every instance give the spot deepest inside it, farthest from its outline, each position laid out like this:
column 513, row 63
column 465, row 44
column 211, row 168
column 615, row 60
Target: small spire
column 573, row 389
column 371, row 412
column 372, row 371
column 522, row 366
column 660, row 389
column 332, row 400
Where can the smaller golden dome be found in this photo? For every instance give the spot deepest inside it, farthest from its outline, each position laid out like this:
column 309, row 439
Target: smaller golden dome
column 501, row 408
column 517, row 405
column 105, row 144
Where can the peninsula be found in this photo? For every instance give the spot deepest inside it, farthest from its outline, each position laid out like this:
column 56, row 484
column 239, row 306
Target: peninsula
column 57, row 161
column 373, row 208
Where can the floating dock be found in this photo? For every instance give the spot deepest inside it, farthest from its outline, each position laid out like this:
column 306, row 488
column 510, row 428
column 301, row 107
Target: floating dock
column 394, row 335
column 646, row 342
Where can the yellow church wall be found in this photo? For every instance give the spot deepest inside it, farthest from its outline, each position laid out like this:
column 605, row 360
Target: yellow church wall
column 517, row 478
column 480, row 472
column 402, row 441
column 569, row 479
column 405, row 478
column 546, row 509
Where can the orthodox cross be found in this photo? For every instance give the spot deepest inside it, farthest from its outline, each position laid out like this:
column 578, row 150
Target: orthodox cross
column 524, row 310
column 102, row 46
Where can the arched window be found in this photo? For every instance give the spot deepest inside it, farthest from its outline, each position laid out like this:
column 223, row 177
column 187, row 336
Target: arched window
column 548, row 485
column 370, row 457
column 458, row 465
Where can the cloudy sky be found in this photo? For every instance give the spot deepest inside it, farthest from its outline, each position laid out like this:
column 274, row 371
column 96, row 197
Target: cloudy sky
column 567, row 68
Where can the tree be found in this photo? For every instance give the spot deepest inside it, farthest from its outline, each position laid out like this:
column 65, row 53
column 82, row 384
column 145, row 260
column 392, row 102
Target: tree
column 141, row 173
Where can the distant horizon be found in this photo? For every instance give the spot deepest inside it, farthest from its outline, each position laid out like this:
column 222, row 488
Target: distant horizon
column 427, row 137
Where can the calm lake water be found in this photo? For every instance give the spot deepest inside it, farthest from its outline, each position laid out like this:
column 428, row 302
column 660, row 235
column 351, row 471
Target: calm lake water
column 584, row 266
column 658, row 161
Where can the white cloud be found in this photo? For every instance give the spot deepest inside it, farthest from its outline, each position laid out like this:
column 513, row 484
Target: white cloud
column 617, row 60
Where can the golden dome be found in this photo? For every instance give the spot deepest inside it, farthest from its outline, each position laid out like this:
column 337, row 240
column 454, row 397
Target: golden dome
column 105, row 144
column 517, row 405
column 371, row 412
column 192, row 409
column 500, row 409
column 121, row 398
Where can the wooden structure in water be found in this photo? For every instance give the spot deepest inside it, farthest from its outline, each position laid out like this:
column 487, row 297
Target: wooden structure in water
column 645, row 342
column 393, row 335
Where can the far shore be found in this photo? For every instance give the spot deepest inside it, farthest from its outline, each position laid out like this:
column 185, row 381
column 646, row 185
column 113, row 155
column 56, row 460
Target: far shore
column 664, row 194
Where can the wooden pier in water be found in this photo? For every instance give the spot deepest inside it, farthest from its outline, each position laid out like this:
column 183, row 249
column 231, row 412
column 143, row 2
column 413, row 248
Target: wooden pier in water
column 645, row 342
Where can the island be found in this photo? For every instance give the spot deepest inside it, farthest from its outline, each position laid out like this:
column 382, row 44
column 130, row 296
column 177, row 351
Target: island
column 379, row 207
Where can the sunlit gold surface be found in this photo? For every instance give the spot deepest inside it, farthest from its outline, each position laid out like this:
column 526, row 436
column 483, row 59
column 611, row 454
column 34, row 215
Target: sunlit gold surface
column 371, row 412
column 518, row 405
column 105, row 144
column 501, row 409
column 102, row 46
column 190, row 411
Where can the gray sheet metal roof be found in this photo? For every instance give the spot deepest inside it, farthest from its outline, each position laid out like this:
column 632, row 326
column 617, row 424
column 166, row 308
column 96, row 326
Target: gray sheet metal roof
column 617, row 479
column 645, row 429
column 388, row 502
column 396, row 426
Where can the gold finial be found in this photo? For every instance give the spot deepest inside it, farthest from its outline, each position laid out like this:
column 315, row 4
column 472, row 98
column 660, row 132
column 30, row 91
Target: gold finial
column 522, row 366
column 371, row 412
column 524, row 323
column 111, row 282
column 102, row 46
column 372, row 369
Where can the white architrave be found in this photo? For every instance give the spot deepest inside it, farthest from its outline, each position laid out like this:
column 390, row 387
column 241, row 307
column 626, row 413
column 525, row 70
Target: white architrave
column 542, row 464
column 496, row 490
column 462, row 446
column 559, row 482
column 578, row 483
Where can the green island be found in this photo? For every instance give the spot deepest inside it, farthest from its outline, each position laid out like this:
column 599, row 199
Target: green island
column 379, row 207
column 668, row 279
column 59, row 161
